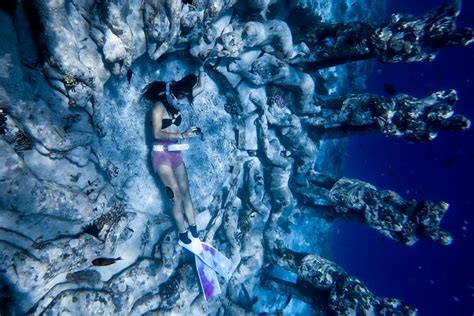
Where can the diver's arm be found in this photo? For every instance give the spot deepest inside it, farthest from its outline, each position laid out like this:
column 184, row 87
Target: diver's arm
column 157, row 116
column 199, row 87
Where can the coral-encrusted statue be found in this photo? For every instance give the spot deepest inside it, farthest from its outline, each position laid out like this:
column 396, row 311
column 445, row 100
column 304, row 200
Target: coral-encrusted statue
column 384, row 210
column 402, row 116
column 404, row 38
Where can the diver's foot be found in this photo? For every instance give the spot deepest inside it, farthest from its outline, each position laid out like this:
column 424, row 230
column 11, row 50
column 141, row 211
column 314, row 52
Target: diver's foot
column 191, row 244
column 193, row 231
column 184, row 238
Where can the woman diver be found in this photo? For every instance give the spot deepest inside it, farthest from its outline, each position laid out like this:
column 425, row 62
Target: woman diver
column 168, row 99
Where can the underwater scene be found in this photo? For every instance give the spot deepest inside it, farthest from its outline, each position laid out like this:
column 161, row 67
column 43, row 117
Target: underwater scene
column 236, row 157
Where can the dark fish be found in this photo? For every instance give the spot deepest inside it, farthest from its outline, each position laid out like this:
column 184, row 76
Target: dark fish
column 390, row 88
column 105, row 261
column 129, row 75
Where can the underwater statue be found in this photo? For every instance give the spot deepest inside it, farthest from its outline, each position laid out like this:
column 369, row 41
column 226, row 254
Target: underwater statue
column 279, row 166
column 384, row 210
column 405, row 38
column 269, row 69
column 273, row 36
column 322, row 281
column 402, row 116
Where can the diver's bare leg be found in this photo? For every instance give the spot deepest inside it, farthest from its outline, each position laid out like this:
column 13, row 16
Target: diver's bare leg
column 183, row 184
column 173, row 192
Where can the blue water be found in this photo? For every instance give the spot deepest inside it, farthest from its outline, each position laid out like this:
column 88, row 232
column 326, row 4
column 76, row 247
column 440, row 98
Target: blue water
column 437, row 280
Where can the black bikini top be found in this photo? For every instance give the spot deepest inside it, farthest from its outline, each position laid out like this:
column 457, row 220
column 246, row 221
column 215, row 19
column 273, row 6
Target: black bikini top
column 175, row 120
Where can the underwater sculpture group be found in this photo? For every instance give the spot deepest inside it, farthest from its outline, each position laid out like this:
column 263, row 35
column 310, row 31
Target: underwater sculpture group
column 53, row 110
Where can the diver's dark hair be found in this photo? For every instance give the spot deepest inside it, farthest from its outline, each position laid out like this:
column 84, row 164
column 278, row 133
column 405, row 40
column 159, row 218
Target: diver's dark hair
column 184, row 86
column 156, row 90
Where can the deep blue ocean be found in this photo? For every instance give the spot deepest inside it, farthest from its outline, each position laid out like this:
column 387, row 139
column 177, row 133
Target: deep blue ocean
column 437, row 280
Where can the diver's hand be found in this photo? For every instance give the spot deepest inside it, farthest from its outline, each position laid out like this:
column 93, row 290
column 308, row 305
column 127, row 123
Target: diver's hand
column 191, row 132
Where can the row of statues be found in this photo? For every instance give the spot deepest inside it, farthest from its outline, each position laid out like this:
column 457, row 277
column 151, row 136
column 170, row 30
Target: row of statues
column 289, row 137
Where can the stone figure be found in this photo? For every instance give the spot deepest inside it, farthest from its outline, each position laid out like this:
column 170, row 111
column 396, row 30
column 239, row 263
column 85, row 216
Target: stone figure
column 171, row 25
column 162, row 25
column 386, row 211
column 279, row 167
column 253, row 217
column 115, row 36
column 403, row 38
column 401, row 116
column 292, row 135
column 269, row 69
column 273, row 36
column 341, row 293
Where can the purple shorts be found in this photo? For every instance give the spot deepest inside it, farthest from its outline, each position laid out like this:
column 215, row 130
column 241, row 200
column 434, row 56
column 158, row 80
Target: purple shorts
column 167, row 158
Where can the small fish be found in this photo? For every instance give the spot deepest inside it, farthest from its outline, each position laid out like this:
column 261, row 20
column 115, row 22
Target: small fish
column 105, row 261
column 390, row 88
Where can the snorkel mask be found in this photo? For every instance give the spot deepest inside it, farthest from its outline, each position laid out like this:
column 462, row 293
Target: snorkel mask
column 169, row 98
